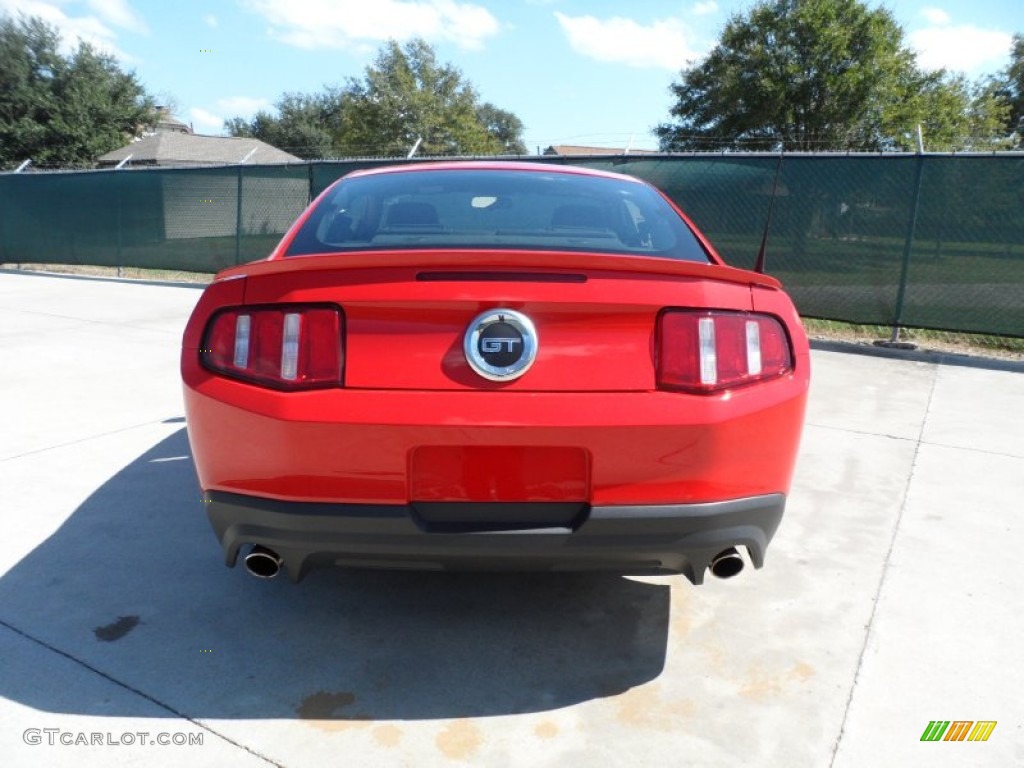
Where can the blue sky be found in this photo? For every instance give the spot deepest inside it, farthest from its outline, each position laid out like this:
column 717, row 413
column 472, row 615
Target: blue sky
column 592, row 72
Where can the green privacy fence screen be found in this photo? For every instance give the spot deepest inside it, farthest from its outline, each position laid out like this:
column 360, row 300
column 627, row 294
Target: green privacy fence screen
column 931, row 241
column 194, row 219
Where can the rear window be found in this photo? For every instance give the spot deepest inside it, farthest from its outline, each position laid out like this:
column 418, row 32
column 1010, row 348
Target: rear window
column 475, row 208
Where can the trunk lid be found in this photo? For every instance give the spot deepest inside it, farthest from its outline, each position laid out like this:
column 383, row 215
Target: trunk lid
column 407, row 313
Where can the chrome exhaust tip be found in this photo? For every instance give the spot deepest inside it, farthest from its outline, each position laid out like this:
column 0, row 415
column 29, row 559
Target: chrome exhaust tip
column 263, row 563
column 726, row 563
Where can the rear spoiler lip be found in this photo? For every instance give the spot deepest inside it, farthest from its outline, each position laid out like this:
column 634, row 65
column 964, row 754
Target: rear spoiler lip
column 557, row 261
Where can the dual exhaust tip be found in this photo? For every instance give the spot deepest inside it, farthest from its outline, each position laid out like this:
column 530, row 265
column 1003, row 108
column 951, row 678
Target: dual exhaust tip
column 726, row 563
column 265, row 563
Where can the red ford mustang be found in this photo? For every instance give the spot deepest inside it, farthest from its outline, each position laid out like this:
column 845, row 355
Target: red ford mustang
column 492, row 365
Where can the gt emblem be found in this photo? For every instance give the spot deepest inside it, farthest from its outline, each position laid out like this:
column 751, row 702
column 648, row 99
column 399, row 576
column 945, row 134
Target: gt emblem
column 500, row 344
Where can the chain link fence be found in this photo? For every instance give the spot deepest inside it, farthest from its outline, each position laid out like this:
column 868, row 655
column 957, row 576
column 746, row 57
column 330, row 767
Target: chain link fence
column 929, row 241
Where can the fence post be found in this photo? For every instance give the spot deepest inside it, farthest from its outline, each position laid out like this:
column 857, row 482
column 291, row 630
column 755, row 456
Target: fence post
column 3, row 236
column 117, row 181
column 908, row 246
column 238, row 219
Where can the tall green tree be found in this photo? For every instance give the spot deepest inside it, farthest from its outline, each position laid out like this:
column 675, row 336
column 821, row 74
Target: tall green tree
column 306, row 125
column 810, row 75
column 406, row 95
column 503, row 126
column 954, row 114
column 1010, row 88
column 58, row 109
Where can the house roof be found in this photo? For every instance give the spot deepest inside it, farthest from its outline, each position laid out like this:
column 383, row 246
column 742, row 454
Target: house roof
column 576, row 149
column 192, row 149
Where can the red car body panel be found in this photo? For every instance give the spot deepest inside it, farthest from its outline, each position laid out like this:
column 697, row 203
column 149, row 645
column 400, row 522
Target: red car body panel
column 414, row 423
column 355, row 443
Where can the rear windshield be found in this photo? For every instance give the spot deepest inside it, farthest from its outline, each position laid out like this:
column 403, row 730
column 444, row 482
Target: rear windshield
column 496, row 209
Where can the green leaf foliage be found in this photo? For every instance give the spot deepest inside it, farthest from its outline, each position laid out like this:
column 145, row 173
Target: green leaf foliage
column 405, row 95
column 65, row 110
column 1010, row 89
column 816, row 75
column 306, row 124
column 503, row 126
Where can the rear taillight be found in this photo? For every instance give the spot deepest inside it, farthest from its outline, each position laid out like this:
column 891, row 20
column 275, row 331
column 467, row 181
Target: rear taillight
column 708, row 351
column 285, row 347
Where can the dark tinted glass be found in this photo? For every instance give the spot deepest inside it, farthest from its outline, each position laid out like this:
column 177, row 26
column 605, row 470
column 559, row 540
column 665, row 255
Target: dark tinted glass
column 496, row 209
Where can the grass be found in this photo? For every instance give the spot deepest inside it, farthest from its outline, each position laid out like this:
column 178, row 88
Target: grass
column 838, row 261
column 1001, row 347
column 130, row 273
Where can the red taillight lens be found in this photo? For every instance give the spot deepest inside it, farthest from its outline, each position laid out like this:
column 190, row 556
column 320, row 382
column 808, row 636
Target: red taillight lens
column 708, row 351
column 286, row 347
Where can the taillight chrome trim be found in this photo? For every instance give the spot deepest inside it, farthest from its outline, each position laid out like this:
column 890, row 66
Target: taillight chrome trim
column 243, row 325
column 708, row 351
column 290, row 346
column 753, row 333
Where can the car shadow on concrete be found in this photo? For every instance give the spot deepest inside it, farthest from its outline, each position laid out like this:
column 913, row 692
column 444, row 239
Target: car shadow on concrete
column 133, row 587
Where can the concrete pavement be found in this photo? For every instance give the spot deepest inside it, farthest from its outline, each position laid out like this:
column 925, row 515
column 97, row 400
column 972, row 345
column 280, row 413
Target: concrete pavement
column 889, row 596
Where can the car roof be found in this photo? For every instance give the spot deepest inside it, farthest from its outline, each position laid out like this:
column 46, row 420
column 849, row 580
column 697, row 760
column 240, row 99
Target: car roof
column 492, row 165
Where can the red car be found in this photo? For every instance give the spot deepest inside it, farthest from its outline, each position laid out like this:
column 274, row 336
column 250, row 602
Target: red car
column 494, row 365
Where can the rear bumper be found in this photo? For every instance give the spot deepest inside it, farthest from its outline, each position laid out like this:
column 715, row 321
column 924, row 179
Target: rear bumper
column 638, row 539
column 388, row 448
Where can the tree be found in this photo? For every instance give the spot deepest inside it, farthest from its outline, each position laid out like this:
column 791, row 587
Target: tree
column 503, row 126
column 811, row 75
column 306, row 125
column 959, row 115
column 954, row 114
column 63, row 110
column 404, row 96
column 1010, row 88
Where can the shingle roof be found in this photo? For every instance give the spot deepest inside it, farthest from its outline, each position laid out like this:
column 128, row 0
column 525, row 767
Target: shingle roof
column 192, row 149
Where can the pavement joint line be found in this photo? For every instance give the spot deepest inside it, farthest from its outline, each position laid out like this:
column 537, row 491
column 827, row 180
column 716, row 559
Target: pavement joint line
column 87, row 321
column 885, row 569
column 931, row 443
column 849, row 431
column 85, row 439
column 982, row 451
column 136, row 691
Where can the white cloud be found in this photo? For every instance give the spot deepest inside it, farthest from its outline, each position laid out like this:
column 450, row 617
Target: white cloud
column 90, row 29
column 661, row 44
column 120, row 14
column 960, row 47
column 347, row 23
column 243, row 106
column 705, row 8
column 206, row 122
column 935, row 16
column 210, row 20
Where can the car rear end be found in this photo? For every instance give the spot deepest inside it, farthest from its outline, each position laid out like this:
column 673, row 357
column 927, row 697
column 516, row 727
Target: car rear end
column 338, row 414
